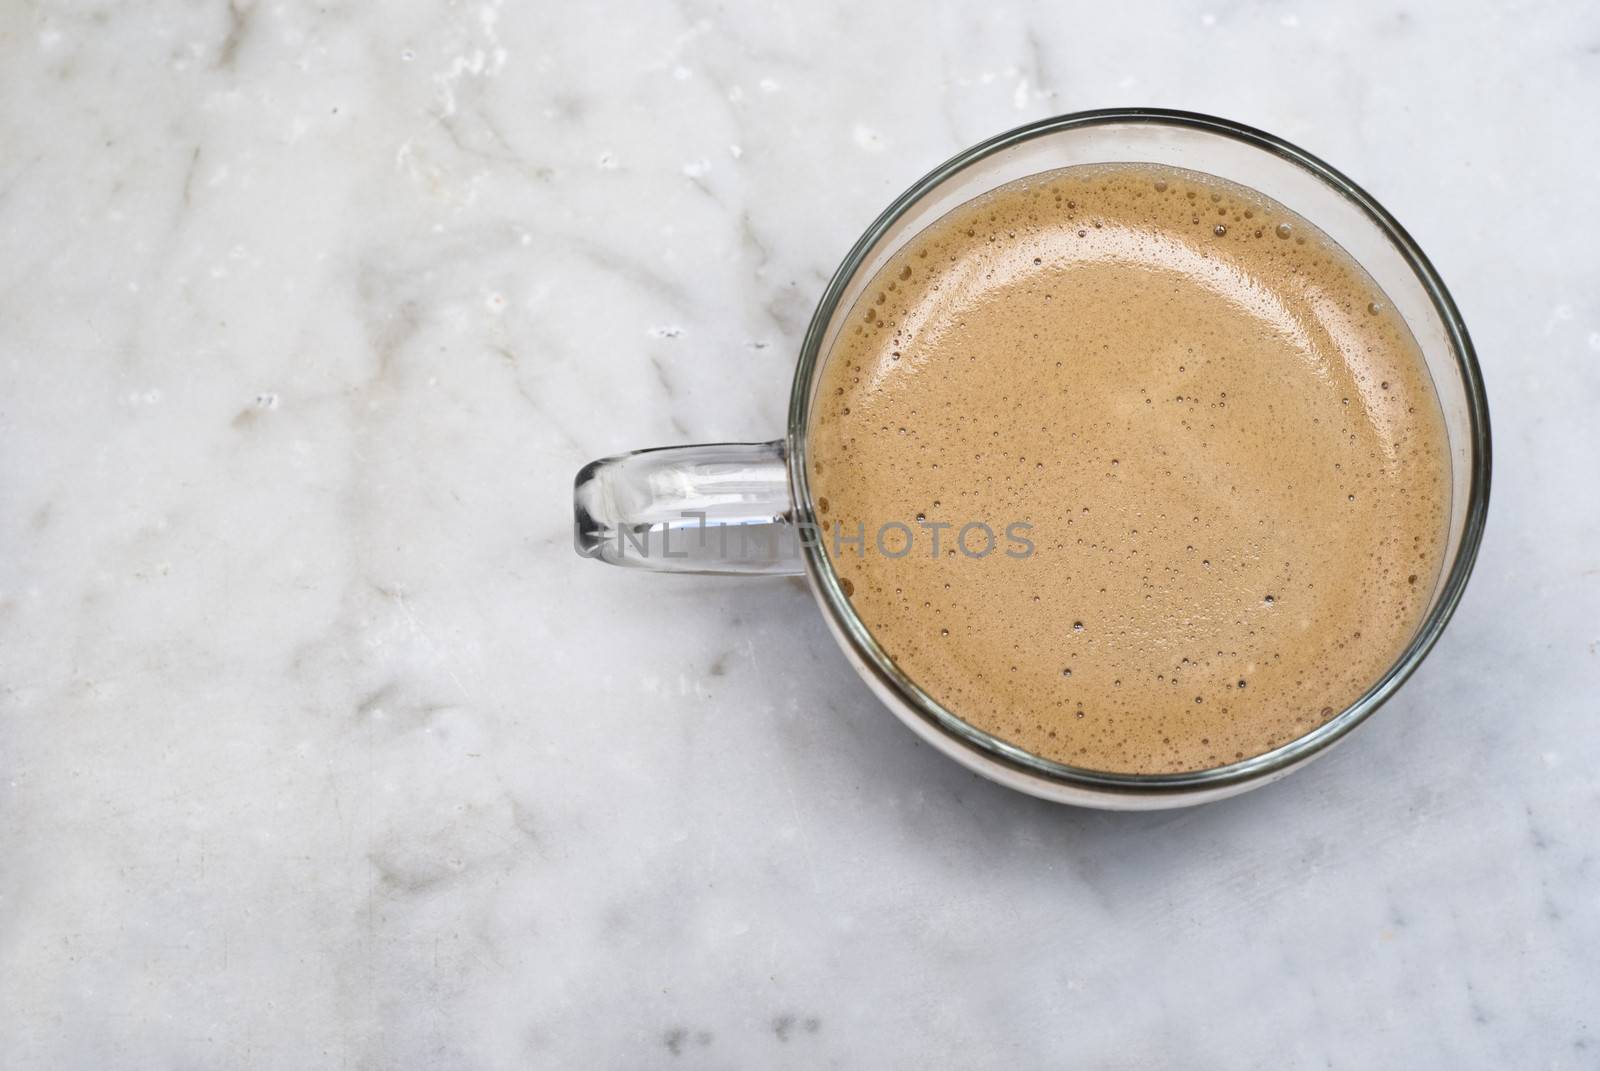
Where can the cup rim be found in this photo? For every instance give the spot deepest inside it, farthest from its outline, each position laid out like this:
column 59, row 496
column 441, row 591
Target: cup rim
column 1256, row 768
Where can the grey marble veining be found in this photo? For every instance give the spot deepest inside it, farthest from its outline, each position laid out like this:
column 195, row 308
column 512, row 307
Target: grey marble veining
column 320, row 748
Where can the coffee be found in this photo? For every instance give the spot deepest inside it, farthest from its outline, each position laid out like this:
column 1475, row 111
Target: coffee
column 1216, row 446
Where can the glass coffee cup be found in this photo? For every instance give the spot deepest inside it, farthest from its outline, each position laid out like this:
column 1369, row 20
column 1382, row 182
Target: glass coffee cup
column 746, row 507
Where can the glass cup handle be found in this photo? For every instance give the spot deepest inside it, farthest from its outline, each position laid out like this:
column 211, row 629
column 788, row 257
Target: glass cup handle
column 713, row 508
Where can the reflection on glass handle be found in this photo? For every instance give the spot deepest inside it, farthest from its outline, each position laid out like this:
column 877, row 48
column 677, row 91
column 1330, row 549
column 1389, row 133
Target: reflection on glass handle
column 714, row 508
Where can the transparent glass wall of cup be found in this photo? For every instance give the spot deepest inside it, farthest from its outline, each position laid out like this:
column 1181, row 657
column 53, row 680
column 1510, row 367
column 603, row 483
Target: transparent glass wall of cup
column 746, row 508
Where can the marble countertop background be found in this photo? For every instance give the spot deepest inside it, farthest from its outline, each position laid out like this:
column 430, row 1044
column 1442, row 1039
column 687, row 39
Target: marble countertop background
column 319, row 747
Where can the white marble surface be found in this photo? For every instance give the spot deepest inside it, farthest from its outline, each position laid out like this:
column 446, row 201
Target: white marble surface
column 319, row 747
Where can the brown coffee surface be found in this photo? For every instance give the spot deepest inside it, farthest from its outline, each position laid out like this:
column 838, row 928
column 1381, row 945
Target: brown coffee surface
column 1224, row 443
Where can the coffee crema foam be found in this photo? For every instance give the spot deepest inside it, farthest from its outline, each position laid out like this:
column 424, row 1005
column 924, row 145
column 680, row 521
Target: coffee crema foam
column 1226, row 442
